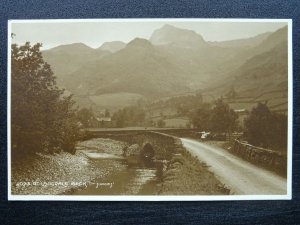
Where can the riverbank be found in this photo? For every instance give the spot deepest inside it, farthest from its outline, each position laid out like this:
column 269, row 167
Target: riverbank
column 44, row 174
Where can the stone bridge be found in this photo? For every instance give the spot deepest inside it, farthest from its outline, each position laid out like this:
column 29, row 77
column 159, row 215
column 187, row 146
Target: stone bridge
column 150, row 144
column 161, row 146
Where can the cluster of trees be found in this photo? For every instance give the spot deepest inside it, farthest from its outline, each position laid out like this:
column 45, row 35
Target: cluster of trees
column 129, row 116
column 43, row 118
column 84, row 116
column 261, row 128
column 218, row 118
column 266, row 129
column 87, row 117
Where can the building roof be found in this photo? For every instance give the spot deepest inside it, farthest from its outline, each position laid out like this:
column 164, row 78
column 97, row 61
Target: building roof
column 103, row 119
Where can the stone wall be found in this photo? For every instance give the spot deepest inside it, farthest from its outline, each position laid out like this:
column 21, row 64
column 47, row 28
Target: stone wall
column 266, row 158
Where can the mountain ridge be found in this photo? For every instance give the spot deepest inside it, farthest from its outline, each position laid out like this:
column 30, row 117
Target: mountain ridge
column 170, row 35
column 162, row 66
column 112, row 46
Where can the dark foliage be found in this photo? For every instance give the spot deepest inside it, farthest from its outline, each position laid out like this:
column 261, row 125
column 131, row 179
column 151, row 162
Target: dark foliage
column 223, row 119
column 201, row 117
column 266, row 129
column 129, row 116
column 42, row 117
column 219, row 118
column 85, row 116
column 161, row 123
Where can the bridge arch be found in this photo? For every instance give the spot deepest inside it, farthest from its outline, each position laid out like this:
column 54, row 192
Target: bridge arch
column 148, row 151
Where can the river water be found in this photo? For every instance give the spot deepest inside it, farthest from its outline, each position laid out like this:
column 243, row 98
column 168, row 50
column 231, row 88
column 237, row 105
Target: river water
column 123, row 179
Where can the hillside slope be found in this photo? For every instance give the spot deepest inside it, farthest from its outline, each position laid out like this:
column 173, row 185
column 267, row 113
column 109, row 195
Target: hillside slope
column 66, row 59
column 173, row 62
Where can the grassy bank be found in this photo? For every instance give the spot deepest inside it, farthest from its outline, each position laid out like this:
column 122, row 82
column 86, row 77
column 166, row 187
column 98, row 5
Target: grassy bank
column 186, row 175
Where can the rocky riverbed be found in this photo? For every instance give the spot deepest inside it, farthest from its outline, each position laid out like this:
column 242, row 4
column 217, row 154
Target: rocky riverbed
column 100, row 167
column 44, row 174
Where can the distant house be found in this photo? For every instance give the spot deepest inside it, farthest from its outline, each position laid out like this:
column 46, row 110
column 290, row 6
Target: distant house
column 100, row 122
column 241, row 111
column 104, row 121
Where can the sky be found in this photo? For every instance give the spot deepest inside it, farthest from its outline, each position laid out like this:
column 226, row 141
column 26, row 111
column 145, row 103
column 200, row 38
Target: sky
column 95, row 33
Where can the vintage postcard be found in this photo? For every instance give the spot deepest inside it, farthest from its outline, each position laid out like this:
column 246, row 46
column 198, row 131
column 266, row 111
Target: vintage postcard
column 150, row 109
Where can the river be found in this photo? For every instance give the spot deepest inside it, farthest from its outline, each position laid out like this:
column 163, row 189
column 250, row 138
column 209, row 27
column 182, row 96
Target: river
column 121, row 178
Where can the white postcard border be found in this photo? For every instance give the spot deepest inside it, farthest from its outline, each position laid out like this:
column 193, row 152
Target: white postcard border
column 288, row 196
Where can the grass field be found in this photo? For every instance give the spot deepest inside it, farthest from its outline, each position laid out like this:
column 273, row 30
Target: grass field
column 116, row 100
column 177, row 122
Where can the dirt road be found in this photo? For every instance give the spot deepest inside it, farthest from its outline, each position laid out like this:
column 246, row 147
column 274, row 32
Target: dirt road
column 241, row 177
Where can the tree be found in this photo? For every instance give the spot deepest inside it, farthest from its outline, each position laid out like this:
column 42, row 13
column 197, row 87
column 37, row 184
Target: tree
column 200, row 118
column 42, row 116
column 161, row 123
column 84, row 116
column 223, row 119
column 257, row 125
column 265, row 128
column 129, row 116
column 119, row 117
column 67, row 121
column 278, row 128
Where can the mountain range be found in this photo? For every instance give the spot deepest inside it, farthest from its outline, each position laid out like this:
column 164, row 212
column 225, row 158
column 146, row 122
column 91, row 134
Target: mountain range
column 173, row 61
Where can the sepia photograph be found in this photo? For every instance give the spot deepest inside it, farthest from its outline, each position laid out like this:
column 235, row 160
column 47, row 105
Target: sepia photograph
column 149, row 109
